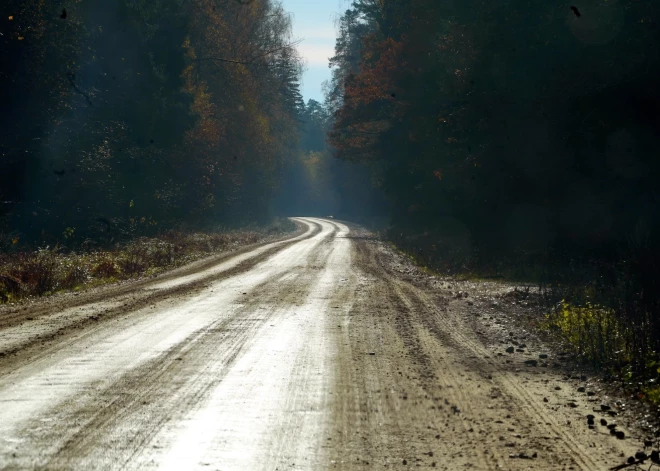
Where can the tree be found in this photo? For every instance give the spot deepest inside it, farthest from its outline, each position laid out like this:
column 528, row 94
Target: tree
column 137, row 115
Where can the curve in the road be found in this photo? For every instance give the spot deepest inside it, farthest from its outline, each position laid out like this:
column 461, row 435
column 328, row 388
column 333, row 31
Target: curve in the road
column 195, row 376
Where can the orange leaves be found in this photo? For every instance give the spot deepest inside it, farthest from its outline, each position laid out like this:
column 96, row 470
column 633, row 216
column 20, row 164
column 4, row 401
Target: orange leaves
column 375, row 81
column 243, row 128
column 373, row 92
column 190, row 51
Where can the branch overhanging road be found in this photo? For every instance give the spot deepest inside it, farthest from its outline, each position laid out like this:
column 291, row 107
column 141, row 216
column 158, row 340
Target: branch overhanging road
column 303, row 354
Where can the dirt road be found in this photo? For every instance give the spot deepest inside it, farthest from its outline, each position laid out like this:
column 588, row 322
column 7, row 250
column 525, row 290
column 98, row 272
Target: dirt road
column 310, row 353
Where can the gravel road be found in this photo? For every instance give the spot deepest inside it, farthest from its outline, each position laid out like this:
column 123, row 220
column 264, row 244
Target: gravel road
column 308, row 353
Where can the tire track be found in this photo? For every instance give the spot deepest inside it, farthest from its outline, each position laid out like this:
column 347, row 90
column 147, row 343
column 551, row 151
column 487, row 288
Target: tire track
column 454, row 330
column 180, row 378
column 417, row 310
column 402, row 341
column 166, row 388
column 37, row 347
column 448, row 379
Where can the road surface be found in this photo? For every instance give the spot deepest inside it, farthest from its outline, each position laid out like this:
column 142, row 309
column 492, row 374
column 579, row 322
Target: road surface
column 305, row 354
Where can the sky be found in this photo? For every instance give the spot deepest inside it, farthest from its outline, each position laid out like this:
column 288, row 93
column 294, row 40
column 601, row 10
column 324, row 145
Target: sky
column 314, row 24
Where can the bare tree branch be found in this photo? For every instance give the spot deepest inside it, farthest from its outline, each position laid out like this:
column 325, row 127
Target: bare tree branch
column 250, row 61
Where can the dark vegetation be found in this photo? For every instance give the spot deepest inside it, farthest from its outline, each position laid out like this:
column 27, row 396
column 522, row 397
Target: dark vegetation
column 127, row 118
column 133, row 129
column 518, row 140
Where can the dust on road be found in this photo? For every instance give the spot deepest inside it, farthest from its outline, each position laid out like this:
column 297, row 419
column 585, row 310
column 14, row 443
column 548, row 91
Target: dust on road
column 304, row 354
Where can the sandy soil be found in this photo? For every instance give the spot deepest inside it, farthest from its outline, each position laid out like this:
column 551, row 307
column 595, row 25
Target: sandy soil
column 315, row 352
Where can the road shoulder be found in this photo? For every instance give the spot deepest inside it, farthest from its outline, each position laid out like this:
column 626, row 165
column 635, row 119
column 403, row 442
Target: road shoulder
column 425, row 382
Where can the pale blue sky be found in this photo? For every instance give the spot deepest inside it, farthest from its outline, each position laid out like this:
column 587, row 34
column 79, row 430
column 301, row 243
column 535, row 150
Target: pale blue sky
column 314, row 23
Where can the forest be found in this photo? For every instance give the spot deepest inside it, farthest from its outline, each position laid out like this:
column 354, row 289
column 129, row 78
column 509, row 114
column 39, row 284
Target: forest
column 509, row 140
column 517, row 140
column 126, row 117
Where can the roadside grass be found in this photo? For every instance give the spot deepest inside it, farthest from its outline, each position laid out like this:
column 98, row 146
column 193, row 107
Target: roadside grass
column 599, row 336
column 47, row 270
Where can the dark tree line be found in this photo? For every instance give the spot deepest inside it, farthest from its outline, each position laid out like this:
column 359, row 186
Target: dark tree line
column 513, row 134
column 125, row 117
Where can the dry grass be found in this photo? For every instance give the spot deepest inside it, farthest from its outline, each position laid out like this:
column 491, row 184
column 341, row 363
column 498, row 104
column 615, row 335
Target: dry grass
column 32, row 273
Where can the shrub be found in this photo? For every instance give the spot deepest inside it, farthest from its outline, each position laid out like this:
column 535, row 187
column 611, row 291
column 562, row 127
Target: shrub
column 105, row 268
column 75, row 274
column 594, row 332
column 134, row 261
column 36, row 271
column 162, row 254
column 9, row 287
column 218, row 241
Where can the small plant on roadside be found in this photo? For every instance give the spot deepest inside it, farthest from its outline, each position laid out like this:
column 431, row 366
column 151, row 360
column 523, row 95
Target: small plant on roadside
column 10, row 287
column 36, row 271
column 105, row 268
column 158, row 253
column 133, row 261
column 75, row 273
column 591, row 330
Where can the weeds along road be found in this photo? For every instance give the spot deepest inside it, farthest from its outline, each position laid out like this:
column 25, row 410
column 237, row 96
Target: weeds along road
column 303, row 354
